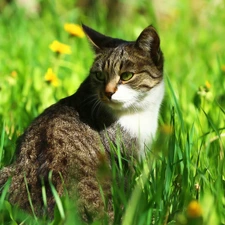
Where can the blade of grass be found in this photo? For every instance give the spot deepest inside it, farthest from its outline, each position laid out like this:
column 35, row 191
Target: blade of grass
column 136, row 196
column 4, row 192
column 211, row 123
column 178, row 109
column 44, row 195
column 2, row 143
column 29, row 197
column 56, row 196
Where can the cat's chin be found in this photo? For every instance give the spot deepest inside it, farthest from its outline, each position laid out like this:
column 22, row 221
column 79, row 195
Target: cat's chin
column 119, row 109
column 115, row 106
column 111, row 103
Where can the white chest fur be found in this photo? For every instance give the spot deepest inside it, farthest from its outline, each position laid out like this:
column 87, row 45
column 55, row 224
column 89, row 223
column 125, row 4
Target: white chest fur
column 143, row 124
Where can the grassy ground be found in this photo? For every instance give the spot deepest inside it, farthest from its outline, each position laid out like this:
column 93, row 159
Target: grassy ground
column 186, row 162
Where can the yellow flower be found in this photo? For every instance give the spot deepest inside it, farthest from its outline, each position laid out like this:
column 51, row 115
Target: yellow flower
column 194, row 209
column 60, row 48
column 51, row 77
column 207, row 84
column 74, row 30
column 14, row 74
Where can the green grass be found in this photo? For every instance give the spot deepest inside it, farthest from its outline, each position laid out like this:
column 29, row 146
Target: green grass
column 187, row 160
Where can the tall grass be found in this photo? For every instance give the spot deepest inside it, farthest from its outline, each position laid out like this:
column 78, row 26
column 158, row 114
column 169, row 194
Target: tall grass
column 186, row 162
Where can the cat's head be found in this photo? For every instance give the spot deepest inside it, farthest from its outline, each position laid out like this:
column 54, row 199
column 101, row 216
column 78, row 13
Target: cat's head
column 125, row 73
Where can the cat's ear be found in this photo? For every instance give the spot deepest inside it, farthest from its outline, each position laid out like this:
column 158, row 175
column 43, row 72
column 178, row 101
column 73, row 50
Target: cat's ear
column 100, row 41
column 149, row 41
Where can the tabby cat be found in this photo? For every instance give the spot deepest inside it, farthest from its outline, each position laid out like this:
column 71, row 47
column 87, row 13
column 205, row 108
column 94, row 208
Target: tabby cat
column 119, row 100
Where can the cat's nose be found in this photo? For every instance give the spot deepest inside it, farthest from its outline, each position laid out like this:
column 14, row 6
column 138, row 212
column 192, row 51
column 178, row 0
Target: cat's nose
column 110, row 89
column 109, row 94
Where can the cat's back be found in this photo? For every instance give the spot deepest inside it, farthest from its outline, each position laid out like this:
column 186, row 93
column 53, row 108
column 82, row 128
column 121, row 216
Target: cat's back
column 56, row 141
column 58, row 134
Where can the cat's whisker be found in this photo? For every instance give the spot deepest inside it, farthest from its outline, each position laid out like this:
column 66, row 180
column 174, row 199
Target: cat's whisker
column 100, row 106
column 89, row 99
column 95, row 107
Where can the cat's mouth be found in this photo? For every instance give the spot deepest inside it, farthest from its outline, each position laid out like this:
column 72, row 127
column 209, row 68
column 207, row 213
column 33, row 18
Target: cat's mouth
column 111, row 103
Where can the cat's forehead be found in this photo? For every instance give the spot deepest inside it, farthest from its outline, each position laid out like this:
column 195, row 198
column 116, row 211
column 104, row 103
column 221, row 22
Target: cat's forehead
column 125, row 52
column 119, row 51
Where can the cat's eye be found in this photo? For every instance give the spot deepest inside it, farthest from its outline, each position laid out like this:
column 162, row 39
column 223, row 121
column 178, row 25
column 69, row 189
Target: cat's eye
column 126, row 76
column 100, row 76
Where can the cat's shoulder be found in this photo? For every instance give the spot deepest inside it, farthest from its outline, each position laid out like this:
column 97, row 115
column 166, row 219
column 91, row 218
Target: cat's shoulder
column 56, row 118
column 55, row 114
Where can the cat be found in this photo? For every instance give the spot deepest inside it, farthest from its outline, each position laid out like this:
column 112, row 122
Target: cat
column 117, row 103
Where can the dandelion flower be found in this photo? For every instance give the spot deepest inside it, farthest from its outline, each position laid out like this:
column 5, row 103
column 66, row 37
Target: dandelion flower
column 207, row 84
column 194, row 209
column 74, row 30
column 60, row 48
column 51, row 77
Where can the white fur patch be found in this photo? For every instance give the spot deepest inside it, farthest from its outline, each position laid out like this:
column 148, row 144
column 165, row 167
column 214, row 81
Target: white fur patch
column 141, row 121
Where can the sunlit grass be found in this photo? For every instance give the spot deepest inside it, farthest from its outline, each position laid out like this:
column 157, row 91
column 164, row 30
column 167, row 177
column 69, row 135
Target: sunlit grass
column 186, row 162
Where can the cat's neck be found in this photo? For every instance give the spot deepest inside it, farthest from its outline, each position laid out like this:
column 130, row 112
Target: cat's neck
column 143, row 124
